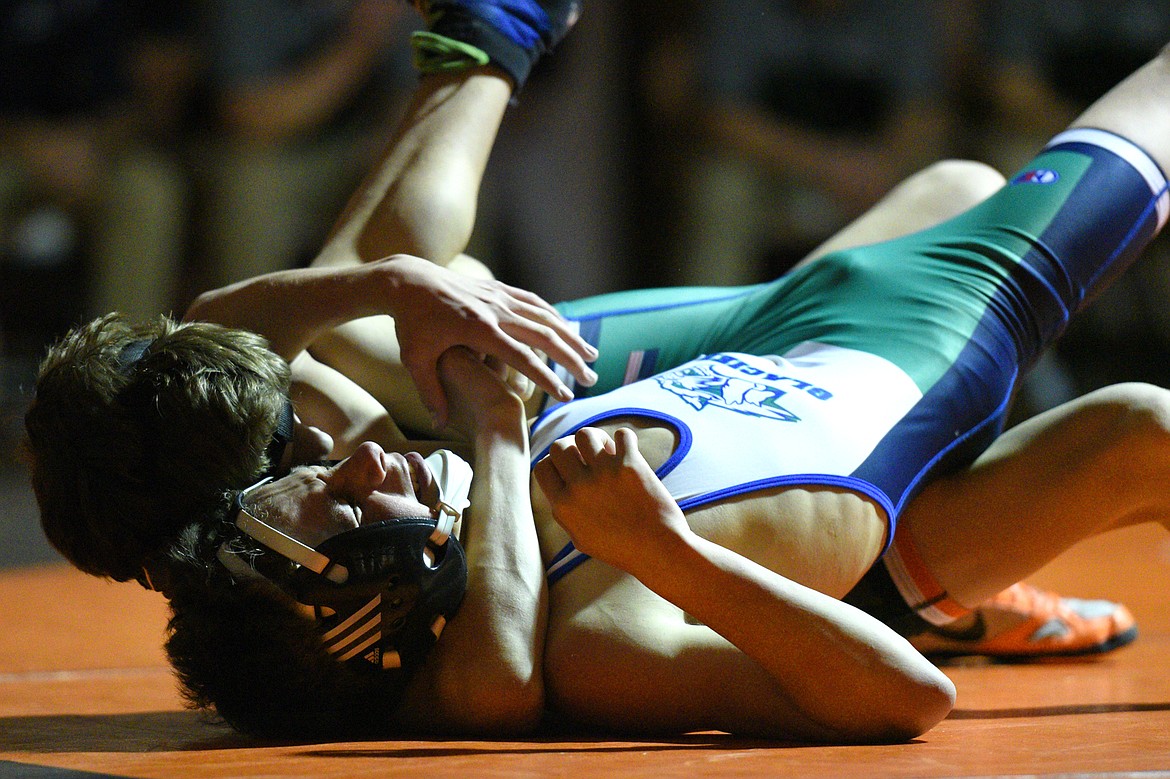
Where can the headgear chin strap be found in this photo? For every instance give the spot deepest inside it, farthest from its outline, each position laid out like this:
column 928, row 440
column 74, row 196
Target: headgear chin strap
column 383, row 592
column 282, row 436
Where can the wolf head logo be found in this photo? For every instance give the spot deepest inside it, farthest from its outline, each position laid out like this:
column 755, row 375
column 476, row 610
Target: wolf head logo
column 700, row 386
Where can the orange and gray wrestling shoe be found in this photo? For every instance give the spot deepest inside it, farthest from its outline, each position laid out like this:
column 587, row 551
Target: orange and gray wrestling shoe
column 1026, row 623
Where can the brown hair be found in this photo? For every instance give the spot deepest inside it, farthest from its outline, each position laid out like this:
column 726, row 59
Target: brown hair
column 126, row 452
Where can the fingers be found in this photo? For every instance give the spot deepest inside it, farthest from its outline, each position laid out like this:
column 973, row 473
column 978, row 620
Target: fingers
column 592, row 443
column 493, row 319
column 526, row 361
column 550, row 342
column 518, row 382
column 559, row 468
column 625, row 443
column 430, row 390
column 573, row 459
column 550, row 481
column 566, row 458
column 548, row 331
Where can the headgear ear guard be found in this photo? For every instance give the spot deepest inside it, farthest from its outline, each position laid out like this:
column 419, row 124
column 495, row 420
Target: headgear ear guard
column 382, row 593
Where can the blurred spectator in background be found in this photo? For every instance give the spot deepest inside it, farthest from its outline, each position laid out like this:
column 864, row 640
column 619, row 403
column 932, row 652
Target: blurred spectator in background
column 1041, row 62
column 807, row 112
column 303, row 94
column 93, row 95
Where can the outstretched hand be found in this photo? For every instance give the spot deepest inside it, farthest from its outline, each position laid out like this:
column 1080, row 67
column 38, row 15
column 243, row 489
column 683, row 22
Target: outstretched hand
column 437, row 309
column 608, row 498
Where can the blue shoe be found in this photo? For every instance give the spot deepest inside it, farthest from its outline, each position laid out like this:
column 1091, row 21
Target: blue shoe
column 509, row 34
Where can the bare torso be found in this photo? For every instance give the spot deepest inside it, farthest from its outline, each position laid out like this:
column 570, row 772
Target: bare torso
column 823, row 537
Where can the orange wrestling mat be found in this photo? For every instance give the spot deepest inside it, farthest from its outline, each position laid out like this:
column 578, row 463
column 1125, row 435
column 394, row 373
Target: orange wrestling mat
column 84, row 690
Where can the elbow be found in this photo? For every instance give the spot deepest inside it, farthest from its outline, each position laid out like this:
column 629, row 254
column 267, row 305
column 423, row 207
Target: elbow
column 216, row 306
column 919, row 710
column 518, row 712
column 902, row 713
column 495, row 704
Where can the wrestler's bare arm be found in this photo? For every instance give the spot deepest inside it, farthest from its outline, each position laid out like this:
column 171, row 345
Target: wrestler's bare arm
column 774, row 658
column 421, row 198
column 435, row 309
column 486, row 674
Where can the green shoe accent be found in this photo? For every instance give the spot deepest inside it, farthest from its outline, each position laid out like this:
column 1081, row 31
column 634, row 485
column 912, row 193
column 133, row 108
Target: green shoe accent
column 433, row 53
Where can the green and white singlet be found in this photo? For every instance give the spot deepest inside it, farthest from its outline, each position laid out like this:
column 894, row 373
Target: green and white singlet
column 958, row 311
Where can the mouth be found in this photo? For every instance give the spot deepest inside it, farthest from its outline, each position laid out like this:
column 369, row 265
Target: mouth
column 422, row 479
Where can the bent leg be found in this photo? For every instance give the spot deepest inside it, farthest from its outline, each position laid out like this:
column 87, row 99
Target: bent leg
column 1027, row 514
column 421, row 197
column 927, row 198
column 1097, row 463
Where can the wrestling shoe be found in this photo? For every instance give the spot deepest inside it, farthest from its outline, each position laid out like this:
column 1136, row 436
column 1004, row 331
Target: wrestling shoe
column 510, row 34
column 1026, row 623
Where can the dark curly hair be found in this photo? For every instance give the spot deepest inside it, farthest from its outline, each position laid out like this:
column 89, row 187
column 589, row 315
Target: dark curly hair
column 124, row 454
column 241, row 647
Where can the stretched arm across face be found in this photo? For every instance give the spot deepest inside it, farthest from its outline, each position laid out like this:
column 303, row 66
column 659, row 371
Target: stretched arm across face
column 832, row 672
column 435, row 309
column 485, row 674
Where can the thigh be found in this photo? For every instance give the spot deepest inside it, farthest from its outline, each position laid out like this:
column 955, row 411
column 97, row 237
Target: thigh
column 642, row 332
column 1093, row 464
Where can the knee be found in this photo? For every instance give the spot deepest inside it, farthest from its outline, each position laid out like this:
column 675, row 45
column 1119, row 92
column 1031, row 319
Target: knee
column 1148, row 407
column 1142, row 419
column 959, row 184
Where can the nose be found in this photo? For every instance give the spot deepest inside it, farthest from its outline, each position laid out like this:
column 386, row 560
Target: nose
column 363, row 471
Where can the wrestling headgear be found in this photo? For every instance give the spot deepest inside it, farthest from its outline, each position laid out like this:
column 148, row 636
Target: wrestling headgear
column 382, row 593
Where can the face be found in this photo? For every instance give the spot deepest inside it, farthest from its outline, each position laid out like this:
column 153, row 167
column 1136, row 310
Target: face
column 316, row 502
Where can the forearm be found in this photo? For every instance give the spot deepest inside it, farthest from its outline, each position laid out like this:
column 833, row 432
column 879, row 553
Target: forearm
column 844, row 669
column 422, row 196
column 293, row 308
column 490, row 656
